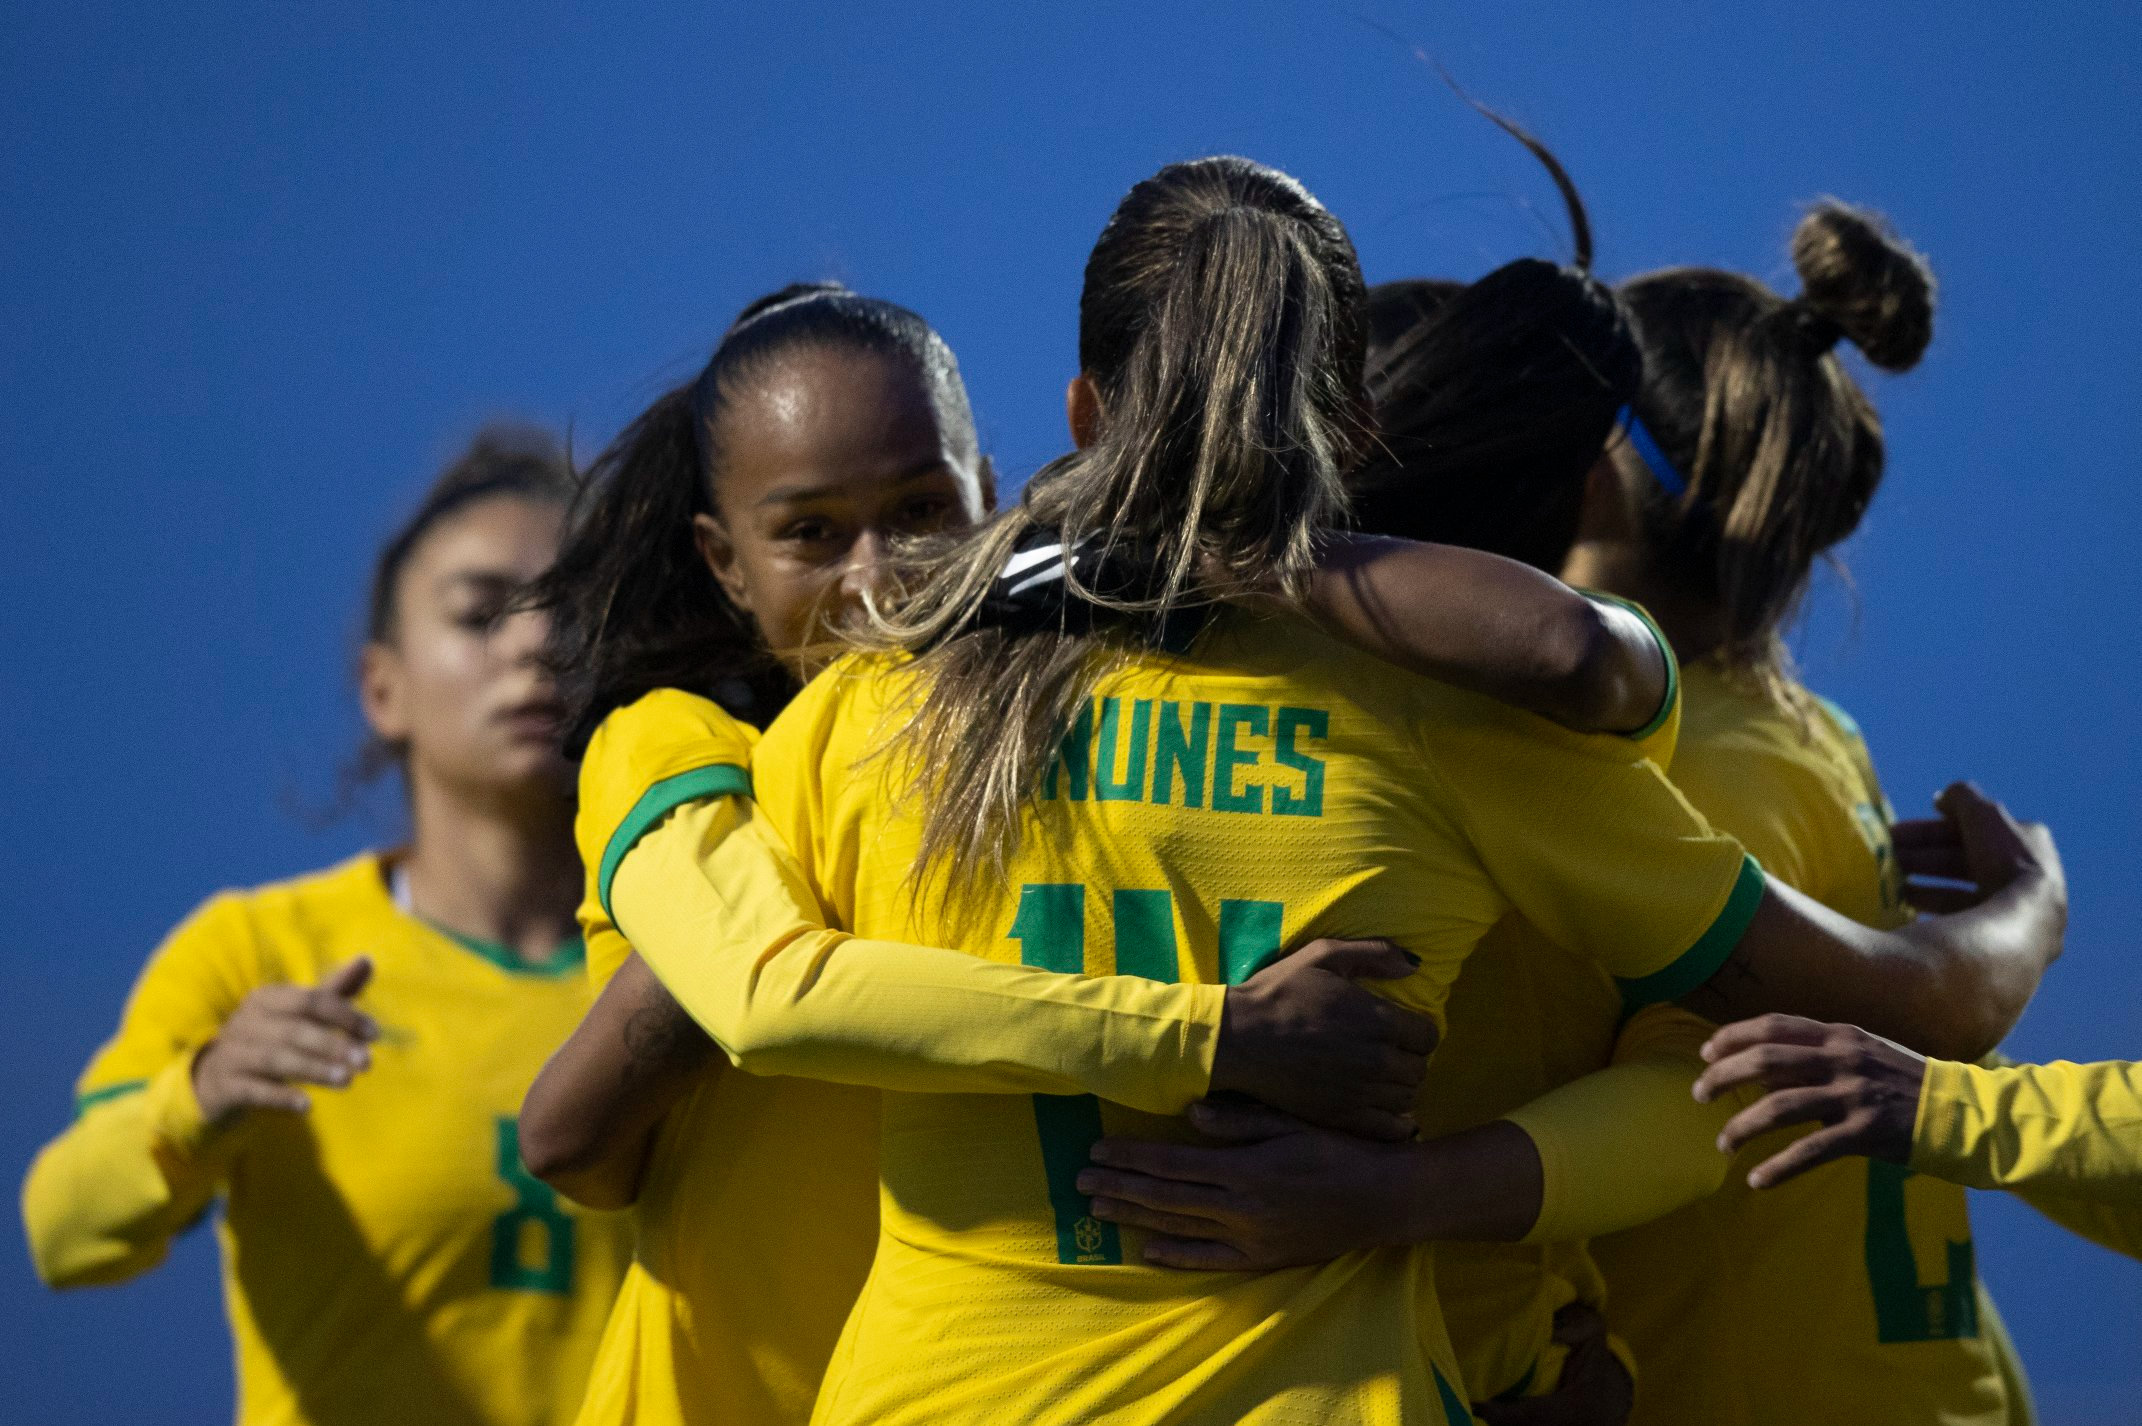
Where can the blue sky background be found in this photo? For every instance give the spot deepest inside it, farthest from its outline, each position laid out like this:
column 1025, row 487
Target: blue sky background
column 262, row 266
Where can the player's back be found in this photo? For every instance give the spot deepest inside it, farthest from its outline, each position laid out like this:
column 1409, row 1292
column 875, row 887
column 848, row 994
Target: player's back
column 1205, row 811
column 1861, row 1266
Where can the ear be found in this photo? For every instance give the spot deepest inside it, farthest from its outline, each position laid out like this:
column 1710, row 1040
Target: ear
column 381, row 692
column 719, row 552
column 1082, row 408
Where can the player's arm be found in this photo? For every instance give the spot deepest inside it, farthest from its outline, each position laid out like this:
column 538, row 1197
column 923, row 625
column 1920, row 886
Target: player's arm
column 202, row 1045
column 727, row 920
column 589, row 1120
column 1950, row 985
column 1610, row 1150
column 2062, row 1127
column 1495, row 626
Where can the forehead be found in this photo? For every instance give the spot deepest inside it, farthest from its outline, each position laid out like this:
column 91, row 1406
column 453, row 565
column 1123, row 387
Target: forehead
column 832, row 413
column 515, row 536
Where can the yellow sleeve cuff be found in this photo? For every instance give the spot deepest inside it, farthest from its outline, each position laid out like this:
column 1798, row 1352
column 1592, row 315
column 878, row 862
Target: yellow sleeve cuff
column 1627, row 1144
column 177, row 1129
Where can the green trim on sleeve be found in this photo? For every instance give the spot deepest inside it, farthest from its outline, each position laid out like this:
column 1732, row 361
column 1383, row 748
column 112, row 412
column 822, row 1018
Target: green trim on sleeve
column 657, row 802
column 1673, row 665
column 90, row 1099
column 1700, row 962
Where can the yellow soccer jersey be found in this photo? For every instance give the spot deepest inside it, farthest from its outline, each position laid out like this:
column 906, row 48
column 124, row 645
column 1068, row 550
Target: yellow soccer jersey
column 2066, row 1137
column 1853, row 1283
column 1205, row 812
column 758, row 1209
column 386, row 1256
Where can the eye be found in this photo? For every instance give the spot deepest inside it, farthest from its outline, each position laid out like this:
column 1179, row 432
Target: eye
column 925, row 510
column 480, row 616
column 808, row 530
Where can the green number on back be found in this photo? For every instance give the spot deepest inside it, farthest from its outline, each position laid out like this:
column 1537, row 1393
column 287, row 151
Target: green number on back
column 1906, row 1309
column 1050, row 927
column 537, row 1213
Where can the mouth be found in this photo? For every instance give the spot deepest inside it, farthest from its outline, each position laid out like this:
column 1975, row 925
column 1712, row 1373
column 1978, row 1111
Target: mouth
column 534, row 718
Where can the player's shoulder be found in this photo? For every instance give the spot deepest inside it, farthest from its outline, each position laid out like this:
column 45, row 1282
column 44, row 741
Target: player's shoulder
column 667, row 724
column 277, row 923
column 1736, row 729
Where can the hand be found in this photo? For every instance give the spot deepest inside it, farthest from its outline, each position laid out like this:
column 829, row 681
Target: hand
column 1974, row 841
column 1862, row 1088
column 1595, row 1389
column 283, row 1035
column 1280, row 1193
column 1301, row 1036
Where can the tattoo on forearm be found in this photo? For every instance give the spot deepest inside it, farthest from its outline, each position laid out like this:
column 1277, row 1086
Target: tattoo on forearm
column 1721, row 997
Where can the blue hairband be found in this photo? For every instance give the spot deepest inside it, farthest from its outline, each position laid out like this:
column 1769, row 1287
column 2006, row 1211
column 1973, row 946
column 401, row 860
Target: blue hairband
column 1647, row 450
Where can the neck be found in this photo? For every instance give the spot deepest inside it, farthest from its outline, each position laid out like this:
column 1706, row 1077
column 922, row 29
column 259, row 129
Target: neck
column 505, row 872
column 1695, row 627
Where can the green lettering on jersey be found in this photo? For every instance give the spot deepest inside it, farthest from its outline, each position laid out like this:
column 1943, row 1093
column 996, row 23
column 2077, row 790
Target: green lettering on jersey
column 1224, row 796
column 1145, row 935
column 1906, row 1309
column 1249, row 937
column 1050, row 928
column 1107, row 787
column 1317, row 724
column 1174, row 751
column 1072, row 755
column 535, row 1216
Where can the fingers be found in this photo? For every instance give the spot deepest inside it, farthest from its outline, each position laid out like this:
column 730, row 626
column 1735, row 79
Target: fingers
column 1241, row 1123
column 1154, row 1195
column 1414, row 1034
column 253, row 1092
column 1359, row 960
column 1992, row 841
column 1916, row 834
column 1184, row 1163
column 1938, row 900
column 1812, row 1104
column 1197, row 1255
column 1132, row 1215
column 1760, row 1030
column 289, row 1062
column 347, row 979
column 328, row 1008
column 1773, row 1066
column 1812, row 1151
column 1378, row 1124
column 1946, row 861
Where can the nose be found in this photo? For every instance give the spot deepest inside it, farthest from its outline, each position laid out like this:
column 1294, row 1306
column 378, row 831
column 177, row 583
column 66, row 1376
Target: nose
column 865, row 564
column 520, row 636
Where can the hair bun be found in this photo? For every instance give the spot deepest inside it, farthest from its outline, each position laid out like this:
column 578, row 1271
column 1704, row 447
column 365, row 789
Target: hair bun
column 1860, row 279
column 794, row 292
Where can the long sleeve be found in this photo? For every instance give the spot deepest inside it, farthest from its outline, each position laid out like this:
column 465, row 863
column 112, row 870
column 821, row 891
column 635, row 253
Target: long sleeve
column 103, row 1200
column 1627, row 1144
column 720, row 910
column 2066, row 1137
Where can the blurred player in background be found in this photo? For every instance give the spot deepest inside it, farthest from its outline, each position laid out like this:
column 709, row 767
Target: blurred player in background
column 341, row 1057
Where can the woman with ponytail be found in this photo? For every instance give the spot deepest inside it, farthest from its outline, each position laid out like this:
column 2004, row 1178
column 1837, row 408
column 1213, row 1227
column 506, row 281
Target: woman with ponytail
column 714, row 539
column 1750, row 453
column 1198, row 784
